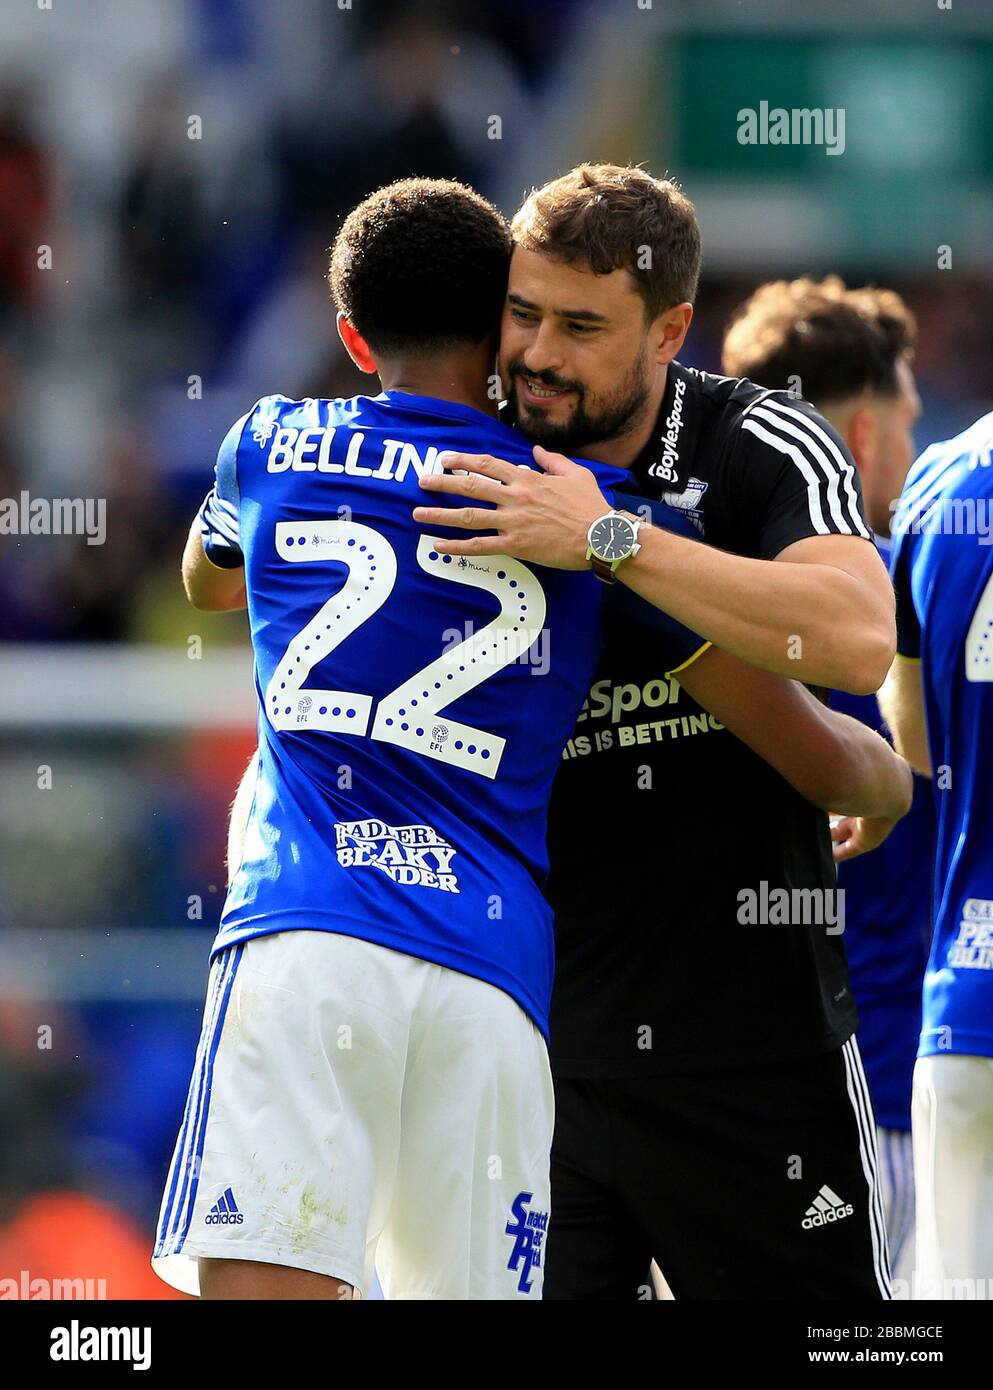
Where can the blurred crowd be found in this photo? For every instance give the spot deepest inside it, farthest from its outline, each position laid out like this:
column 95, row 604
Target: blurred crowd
column 185, row 262
column 154, row 284
column 163, row 245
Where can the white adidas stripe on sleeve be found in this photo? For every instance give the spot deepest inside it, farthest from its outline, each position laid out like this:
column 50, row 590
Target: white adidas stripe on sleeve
column 847, row 468
column 805, row 467
column 789, row 430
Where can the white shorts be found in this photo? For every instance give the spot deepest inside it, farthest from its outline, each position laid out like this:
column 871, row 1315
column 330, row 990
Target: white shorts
column 953, row 1162
column 353, row 1107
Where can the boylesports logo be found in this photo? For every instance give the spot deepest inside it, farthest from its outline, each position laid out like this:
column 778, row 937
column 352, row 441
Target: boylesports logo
column 528, row 1230
column 826, row 1208
column 224, row 1212
column 665, row 467
column 414, row 855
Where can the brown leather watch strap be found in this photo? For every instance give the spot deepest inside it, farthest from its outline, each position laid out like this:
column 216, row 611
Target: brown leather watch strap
column 602, row 570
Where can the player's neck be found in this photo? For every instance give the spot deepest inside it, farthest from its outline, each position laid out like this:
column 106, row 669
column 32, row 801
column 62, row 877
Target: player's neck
column 457, row 377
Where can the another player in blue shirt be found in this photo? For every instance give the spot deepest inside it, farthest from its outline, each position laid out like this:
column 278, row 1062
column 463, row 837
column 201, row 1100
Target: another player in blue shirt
column 939, row 703
column 372, row 1074
column 850, row 351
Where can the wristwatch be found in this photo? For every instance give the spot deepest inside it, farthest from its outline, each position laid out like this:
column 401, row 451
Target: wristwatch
column 611, row 539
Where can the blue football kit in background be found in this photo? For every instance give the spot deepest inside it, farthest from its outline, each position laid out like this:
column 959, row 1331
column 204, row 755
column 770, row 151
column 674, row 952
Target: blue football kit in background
column 942, row 568
column 888, row 934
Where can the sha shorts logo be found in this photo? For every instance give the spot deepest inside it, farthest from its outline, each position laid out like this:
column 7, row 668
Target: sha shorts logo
column 528, row 1230
column 414, row 855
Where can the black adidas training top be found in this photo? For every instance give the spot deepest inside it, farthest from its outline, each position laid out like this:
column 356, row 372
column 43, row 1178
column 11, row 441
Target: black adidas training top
column 660, row 819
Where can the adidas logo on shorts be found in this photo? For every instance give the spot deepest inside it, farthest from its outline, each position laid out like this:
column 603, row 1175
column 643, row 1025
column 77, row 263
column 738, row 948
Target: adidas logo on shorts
column 224, row 1212
column 826, row 1208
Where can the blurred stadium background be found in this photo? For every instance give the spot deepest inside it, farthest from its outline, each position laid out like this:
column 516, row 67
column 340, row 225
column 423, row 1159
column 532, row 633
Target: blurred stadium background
column 186, row 280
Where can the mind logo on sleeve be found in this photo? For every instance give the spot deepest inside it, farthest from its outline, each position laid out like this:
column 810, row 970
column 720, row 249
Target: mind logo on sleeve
column 415, row 855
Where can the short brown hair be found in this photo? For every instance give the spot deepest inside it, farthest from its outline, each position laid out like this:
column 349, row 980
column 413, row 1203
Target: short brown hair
column 609, row 217
column 839, row 342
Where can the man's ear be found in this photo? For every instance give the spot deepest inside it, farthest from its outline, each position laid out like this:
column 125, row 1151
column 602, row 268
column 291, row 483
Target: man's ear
column 356, row 346
column 670, row 330
column 862, row 438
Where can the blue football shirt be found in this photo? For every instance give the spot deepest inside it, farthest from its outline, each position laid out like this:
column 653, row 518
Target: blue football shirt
column 942, row 567
column 887, row 935
column 413, row 707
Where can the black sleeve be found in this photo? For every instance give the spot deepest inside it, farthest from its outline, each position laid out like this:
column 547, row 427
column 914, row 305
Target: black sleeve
column 791, row 476
column 908, row 625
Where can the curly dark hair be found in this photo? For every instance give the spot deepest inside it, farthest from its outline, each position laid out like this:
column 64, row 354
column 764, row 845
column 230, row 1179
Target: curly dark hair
column 838, row 341
column 421, row 265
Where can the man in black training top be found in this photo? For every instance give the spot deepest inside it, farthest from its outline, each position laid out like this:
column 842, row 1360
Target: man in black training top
column 712, row 1112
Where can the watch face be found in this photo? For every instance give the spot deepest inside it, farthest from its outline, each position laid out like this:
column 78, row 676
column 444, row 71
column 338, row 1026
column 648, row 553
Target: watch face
column 612, row 538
